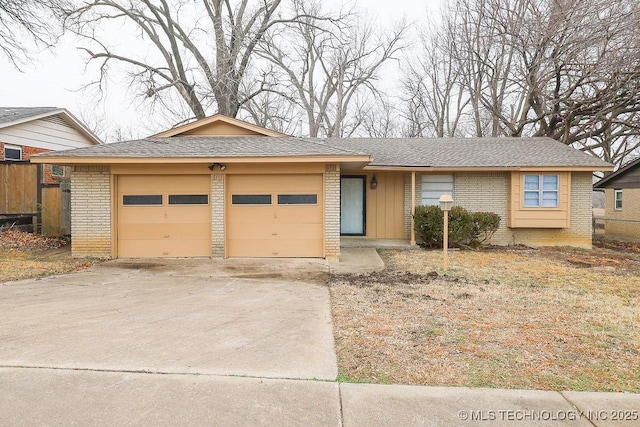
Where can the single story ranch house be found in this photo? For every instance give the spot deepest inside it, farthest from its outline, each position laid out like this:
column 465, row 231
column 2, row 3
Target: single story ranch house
column 622, row 202
column 221, row 187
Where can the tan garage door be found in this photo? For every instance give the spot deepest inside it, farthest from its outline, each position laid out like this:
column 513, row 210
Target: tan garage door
column 274, row 216
column 164, row 216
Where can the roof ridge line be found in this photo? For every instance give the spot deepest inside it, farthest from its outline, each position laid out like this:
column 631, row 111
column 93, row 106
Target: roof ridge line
column 324, row 144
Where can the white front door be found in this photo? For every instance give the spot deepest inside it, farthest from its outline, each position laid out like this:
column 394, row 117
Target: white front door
column 352, row 205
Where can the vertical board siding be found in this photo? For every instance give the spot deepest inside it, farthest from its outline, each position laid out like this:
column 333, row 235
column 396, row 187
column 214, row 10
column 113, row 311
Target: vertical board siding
column 51, row 211
column 386, row 206
column 18, row 188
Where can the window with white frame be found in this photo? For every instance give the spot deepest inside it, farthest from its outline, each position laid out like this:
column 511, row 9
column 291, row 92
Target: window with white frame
column 541, row 191
column 12, row 152
column 434, row 186
column 617, row 200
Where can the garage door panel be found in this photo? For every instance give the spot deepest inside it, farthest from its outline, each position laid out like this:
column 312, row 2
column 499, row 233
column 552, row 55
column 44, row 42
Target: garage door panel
column 275, row 248
column 141, row 215
column 283, row 214
column 159, row 248
column 164, row 231
column 245, row 214
column 300, row 215
column 161, row 214
column 274, row 231
column 192, row 214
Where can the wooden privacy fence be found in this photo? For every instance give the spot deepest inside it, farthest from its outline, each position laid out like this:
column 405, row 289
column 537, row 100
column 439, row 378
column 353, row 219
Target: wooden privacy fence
column 22, row 194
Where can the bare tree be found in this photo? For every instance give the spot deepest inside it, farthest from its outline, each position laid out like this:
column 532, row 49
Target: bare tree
column 326, row 66
column 201, row 50
column 564, row 69
column 27, row 21
column 433, row 97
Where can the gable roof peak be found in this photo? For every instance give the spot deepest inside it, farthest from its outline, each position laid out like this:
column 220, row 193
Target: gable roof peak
column 192, row 127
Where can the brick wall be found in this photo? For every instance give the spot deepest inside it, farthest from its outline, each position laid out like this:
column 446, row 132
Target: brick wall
column 217, row 215
column 91, row 212
column 488, row 192
column 625, row 223
column 485, row 192
column 48, row 177
column 332, row 211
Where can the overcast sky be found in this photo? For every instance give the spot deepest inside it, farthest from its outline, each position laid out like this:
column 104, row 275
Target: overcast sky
column 55, row 78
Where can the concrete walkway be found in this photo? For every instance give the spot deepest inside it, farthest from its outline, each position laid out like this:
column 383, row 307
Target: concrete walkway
column 72, row 397
column 357, row 260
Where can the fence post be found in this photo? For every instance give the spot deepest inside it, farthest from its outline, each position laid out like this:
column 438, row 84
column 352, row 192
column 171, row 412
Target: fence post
column 38, row 227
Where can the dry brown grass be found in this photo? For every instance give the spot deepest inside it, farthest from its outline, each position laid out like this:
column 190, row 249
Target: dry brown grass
column 25, row 255
column 552, row 319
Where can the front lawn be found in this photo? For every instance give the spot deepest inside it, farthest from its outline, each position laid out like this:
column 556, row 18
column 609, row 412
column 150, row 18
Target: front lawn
column 552, row 319
column 26, row 255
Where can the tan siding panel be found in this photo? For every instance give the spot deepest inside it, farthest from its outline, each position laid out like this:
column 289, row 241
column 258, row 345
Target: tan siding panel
column 221, row 129
column 385, row 206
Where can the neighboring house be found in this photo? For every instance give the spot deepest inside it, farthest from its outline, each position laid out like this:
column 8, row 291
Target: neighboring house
column 622, row 202
column 224, row 188
column 24, row 132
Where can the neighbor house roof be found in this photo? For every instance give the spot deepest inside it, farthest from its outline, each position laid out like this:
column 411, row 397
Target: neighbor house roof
column 445, row 153
column 469, row 152
column 627, row 176
column 190, row 147
column 11, row 116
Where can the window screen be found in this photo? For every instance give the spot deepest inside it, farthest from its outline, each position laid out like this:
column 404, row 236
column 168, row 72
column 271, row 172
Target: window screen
column 541, row 191
column 188, row 199
column 297, row 199
column 251, row 199
column 151, row 199
column 434, row 186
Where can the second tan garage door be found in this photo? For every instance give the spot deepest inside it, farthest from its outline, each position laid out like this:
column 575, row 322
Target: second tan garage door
column 164, row 216
column 274, row 216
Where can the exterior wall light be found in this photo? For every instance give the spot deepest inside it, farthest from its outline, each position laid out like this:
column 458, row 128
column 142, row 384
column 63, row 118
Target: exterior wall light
column 374, row 183
column 220, row 165
column 446, row 203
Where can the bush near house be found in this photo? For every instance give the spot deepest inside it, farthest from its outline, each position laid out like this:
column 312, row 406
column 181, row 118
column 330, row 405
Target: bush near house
column 465, row 228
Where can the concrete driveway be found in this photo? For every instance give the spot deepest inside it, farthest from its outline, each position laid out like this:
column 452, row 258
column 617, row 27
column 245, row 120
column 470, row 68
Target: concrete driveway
column 265, row 319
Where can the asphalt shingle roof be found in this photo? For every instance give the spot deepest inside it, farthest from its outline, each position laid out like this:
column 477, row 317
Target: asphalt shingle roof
column 206, row 146
column 11, row 114
column 468, row 152
column 398, row 152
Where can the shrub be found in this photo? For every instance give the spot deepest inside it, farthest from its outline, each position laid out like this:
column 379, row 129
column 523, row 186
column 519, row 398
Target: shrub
column 465, row 228
column 428, row 222
column 485, row 223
